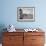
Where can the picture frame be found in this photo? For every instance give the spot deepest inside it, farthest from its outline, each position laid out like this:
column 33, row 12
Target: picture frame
column 26, row 14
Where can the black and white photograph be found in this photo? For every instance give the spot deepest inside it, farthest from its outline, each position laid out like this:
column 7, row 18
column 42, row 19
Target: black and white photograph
column 26, row 14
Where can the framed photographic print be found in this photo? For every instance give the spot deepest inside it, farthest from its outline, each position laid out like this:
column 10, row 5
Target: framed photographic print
column 26, row 14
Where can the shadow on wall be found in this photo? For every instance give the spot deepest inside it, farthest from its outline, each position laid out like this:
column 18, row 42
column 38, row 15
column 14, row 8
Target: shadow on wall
column 2, row 26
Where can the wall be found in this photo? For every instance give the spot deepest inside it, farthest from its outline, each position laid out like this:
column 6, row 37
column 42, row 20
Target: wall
column 8, row 13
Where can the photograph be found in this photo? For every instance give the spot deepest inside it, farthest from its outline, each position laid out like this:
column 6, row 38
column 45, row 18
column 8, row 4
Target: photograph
column 26, row 14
